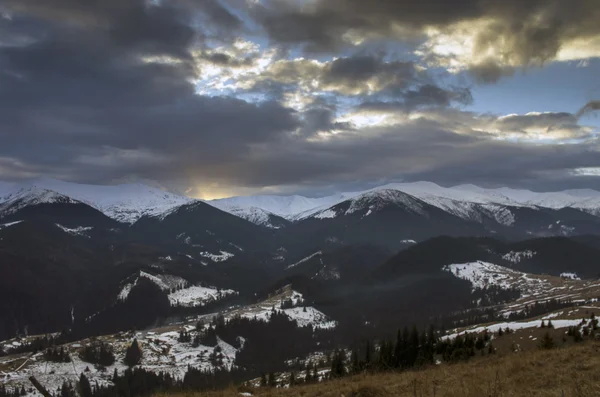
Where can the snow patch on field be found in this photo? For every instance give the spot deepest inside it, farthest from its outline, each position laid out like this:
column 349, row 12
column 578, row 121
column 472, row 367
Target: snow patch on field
column 311, row 316
column 570, row 276
column 301, row 261
column 9, row 224
column 516, row 257
column 222, row 257
column 481, row 274
column 198, row 296
column 78, row 231
column 514, row 326
column 165, row 282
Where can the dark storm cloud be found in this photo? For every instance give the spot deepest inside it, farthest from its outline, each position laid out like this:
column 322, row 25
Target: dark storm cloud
column 419, row 150
column 521, row 33
column 589, row 107
column 367, row 77
column 103, row 90
column 79, row 102
column 423, row 96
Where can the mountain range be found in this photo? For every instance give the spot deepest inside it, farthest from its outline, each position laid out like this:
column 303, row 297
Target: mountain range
column 387, row 215
column 95, row 260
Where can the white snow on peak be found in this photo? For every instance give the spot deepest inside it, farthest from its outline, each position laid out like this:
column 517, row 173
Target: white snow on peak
column 25, row 197
column 125, row 203
column 255, row 215
column 128, row 202
column 466, row 201
column 325, row 214
column 289, row 207
column 377, row 200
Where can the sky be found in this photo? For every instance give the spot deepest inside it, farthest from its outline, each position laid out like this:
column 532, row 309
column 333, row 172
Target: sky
column 215, row 98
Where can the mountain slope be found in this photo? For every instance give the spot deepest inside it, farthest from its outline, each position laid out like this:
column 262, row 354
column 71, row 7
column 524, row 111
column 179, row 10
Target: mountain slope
column 203, row 231
column 387, row 218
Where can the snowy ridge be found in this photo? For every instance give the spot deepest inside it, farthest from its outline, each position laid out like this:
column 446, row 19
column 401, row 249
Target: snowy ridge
column 285, row 206
column 124, row 203
column 256, row 215
column 22, row 198
column 465, row 201
column 129, row 202
column 371, row 202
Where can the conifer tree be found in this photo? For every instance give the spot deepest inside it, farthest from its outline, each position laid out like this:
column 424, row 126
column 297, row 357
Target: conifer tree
column 367, row 363
column 263, row 380
column 547, row 342
column 354, row 362
column 133, row 355
column 337, row 364
column 85, row 389
column 550, row 325
column 272, row 380
column 292, row 379
column 413, row 346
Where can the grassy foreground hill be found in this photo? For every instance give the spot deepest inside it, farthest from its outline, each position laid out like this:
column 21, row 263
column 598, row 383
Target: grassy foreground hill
column 571, row 371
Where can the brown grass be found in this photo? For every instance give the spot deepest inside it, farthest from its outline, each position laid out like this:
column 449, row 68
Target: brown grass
column 572, row 371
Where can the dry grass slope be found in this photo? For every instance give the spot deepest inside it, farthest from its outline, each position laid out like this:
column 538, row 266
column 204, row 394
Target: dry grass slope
column 572, row 371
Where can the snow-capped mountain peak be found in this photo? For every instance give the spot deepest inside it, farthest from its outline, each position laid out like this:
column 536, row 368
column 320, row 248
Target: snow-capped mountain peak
column 125, row 203
column 25, row 197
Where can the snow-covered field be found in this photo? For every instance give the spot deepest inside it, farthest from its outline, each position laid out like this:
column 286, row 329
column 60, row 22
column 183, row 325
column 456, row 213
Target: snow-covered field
column 179, row 292
column 160, row 352
column 514, row 325
column 198, row 296
column 222, row 256
column 263, row 310
column 570, row 276
column 483, row 274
